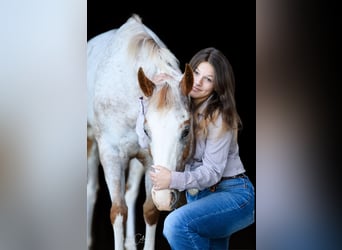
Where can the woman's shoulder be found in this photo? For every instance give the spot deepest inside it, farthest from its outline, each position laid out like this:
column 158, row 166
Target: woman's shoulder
column 217, row 127
column 217, row 120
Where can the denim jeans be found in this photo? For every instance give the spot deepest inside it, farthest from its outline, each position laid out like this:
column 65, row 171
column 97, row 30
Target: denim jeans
column 209, row 218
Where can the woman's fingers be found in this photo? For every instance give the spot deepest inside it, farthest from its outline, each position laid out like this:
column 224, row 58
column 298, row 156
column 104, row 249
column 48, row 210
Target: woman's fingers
column 153, row 178
column 156, row 168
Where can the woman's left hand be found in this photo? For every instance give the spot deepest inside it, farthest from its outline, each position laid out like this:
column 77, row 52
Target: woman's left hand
column 160, row 177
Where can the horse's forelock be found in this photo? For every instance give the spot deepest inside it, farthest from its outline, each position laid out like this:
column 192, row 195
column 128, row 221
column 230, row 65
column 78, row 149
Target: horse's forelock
column 164, row 98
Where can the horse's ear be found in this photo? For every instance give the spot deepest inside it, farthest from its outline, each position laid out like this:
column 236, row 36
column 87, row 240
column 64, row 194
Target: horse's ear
column 187, row 80
column 145, row 84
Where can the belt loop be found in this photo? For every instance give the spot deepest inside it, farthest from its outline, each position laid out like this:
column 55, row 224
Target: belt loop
column 213, row 188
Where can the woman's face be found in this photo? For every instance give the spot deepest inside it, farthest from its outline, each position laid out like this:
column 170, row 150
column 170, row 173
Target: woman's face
column 203, row 82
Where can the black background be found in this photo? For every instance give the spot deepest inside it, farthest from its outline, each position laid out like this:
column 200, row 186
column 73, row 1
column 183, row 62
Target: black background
column 230, row 26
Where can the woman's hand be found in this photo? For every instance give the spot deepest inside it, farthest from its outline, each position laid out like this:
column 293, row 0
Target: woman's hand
column 161, row 78
column 160, row 177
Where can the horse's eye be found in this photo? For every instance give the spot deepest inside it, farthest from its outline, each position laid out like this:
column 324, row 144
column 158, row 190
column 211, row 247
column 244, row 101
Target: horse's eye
column 146, row 133
column 185, row 132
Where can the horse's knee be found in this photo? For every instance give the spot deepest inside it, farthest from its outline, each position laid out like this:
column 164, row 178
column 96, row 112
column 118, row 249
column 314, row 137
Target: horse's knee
column 151, row 213
column 118, row 210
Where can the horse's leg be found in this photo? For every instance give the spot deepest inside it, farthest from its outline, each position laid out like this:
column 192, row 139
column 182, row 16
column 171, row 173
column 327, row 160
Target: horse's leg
column 92, row 185
column 135, row 173
column 151, row 216
column 114, row 165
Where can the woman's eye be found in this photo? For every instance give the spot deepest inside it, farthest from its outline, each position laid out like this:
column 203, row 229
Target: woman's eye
column 208, row 79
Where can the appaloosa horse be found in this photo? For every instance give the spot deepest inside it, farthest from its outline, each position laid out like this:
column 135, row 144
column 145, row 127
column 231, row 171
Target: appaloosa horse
column 121, row 64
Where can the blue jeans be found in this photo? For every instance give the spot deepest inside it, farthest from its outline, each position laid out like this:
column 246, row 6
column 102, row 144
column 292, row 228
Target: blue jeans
column 210, row 218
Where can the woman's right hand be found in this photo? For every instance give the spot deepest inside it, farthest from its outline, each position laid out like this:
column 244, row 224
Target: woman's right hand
column 161, row 78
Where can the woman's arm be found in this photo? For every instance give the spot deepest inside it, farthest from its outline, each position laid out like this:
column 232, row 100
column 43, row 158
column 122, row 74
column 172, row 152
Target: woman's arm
column 214, row 161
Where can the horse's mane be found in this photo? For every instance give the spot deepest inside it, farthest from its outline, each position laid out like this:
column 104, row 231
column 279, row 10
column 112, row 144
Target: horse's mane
column 146, row 50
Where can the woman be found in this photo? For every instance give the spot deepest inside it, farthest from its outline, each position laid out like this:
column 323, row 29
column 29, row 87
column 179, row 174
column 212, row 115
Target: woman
column 220, row 196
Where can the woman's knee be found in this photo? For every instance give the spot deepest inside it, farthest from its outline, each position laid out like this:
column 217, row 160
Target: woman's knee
column 171, row 222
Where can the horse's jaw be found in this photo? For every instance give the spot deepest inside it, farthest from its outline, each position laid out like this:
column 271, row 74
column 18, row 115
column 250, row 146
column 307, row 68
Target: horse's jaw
column 166, row 199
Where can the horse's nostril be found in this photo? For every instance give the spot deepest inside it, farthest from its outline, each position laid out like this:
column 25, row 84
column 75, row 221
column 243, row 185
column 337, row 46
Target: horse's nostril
column 174, row 198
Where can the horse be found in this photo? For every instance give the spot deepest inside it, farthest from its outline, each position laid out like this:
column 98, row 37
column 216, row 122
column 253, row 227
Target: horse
column 121, row 65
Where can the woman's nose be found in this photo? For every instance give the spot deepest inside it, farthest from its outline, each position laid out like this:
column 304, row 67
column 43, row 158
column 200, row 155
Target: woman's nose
column 197, row 80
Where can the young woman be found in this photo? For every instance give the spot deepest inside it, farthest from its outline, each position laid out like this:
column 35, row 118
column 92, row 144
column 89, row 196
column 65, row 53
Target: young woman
column 220, row 196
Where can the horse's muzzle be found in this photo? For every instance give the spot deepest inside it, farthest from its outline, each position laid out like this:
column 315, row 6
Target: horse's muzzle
column 166, row 199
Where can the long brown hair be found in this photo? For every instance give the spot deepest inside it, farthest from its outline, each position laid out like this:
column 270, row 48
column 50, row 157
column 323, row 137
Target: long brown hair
column 222, row 100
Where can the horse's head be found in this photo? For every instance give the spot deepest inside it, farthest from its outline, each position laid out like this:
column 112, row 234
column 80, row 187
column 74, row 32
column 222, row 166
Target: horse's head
column 168, row 125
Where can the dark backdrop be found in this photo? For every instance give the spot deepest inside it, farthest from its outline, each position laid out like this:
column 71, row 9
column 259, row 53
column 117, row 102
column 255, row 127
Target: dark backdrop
column 230, row 27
